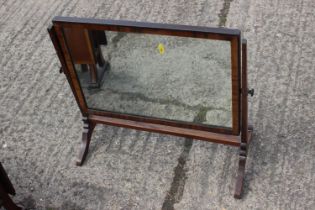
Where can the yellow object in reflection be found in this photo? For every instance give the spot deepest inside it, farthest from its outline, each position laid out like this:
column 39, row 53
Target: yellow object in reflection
column 161, row 48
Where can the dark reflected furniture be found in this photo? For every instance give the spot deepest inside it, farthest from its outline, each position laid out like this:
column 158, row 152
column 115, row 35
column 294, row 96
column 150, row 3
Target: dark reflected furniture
column 6, row 189
column 167, row 91
column 85, row 48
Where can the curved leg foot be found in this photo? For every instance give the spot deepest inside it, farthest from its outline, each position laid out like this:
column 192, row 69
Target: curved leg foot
column 242, row 163
column 240, row 177
column 88, row 128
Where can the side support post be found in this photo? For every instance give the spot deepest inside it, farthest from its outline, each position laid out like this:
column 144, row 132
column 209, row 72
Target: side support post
column 244, row 125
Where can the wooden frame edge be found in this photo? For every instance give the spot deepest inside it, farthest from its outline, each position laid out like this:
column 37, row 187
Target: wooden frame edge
column 70, row 72
column 176, row 131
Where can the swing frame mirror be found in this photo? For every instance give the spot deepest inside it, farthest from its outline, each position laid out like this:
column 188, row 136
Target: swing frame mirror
column 239, row 134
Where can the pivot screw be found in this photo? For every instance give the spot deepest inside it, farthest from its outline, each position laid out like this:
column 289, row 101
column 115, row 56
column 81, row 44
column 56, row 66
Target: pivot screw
column 250, row 92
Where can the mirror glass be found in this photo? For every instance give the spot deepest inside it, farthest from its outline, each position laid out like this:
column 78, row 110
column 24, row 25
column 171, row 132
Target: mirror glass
column 169, row 77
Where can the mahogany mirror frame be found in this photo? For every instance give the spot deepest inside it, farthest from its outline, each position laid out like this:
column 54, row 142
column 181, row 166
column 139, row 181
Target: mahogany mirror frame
column 240, row 133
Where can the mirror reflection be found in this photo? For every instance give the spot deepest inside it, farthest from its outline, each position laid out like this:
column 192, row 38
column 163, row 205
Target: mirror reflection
column 169, row 77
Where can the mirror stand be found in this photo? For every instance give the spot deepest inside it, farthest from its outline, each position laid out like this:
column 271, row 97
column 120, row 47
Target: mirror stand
column 239, row 135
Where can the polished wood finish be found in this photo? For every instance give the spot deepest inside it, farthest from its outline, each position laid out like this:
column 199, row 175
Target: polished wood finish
column 88, row 127
column 148, row 28
column 174, row 123
column 184, row 132
column 75, row 88
column 246, row 132
column 235, row 80
column 70, row 71
column 240, row 133
column 79, row 45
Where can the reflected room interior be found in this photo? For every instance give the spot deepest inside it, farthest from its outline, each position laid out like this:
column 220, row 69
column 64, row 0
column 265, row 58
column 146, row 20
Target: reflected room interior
column 160, row 76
